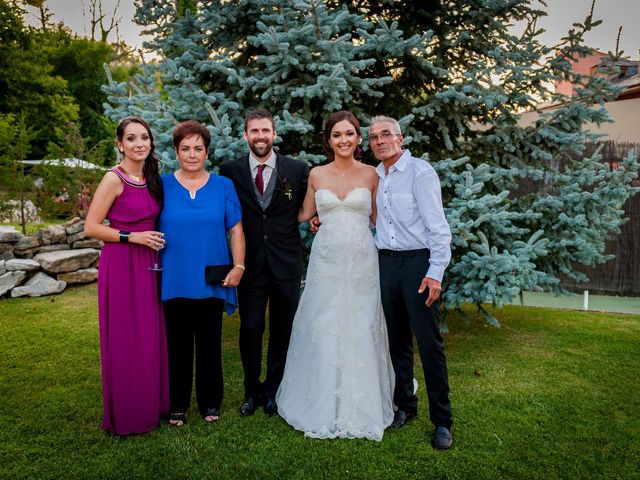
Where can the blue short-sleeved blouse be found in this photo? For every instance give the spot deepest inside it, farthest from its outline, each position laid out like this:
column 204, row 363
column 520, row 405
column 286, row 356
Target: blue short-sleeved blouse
column 195, row 231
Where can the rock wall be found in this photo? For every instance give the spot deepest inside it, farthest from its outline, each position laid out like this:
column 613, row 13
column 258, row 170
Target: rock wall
column 46, row 262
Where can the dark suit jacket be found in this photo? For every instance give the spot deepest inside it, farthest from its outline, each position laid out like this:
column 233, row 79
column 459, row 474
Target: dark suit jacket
column 272, row 236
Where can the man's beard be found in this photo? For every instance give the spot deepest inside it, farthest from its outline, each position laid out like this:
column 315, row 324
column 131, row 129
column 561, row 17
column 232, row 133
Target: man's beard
column 260, row 152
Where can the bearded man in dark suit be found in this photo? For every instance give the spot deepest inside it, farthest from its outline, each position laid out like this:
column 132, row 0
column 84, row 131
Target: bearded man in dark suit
column 271, row 188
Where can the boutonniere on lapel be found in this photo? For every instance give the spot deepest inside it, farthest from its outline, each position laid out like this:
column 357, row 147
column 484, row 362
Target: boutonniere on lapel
column 284, row 186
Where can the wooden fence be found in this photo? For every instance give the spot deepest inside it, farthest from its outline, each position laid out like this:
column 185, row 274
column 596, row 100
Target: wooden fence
column 620, row 276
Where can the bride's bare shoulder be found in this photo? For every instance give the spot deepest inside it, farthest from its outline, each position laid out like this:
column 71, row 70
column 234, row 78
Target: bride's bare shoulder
column 368, row 170
column 318, row 171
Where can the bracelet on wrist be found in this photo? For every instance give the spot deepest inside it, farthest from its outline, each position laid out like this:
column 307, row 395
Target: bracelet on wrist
column 124, row 236
column 240, row 266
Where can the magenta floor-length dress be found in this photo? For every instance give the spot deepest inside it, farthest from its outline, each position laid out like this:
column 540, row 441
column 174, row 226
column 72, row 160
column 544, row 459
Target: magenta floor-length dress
column 132, row 333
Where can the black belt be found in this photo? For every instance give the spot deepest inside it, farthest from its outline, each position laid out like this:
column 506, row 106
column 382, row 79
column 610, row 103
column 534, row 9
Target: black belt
column 404, row 253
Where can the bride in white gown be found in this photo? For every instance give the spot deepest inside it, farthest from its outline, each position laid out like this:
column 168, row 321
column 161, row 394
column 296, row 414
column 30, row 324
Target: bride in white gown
column 338, row 380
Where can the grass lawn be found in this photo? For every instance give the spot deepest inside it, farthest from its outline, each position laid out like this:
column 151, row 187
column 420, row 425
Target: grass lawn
column 32, row 228
column 552, row 394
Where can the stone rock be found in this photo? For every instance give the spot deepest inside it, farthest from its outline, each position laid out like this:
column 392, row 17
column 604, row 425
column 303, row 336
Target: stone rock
column 75, row 237
column 87, row 243
column 27, row 243
column 13, row 212
column 67, row 260
column 54, row 248
column 22, row 264
column 84, row 275
column 26, row 252
column 10, row 280
column 27, row 247
column 52, row 234
column 74, row 226
column 10, row 234
column 6, row 251
column 39, row 285
column 3, row 269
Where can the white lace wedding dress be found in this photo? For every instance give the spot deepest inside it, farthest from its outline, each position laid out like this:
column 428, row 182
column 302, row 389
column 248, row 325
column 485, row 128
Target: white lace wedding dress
column 338, row 380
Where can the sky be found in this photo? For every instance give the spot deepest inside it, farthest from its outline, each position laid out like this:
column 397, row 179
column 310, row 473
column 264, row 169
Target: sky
column 561, row 14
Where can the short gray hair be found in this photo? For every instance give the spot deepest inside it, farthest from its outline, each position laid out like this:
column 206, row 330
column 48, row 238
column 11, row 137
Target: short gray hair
column 382, row 118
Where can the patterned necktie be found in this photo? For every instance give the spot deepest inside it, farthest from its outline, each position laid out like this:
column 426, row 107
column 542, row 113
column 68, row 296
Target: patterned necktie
column 259, row 179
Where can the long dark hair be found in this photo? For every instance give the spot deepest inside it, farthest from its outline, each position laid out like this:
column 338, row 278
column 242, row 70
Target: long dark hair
column 151, row 169
column 337, row 117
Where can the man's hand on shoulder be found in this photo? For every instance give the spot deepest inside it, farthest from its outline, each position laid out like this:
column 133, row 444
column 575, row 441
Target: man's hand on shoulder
column 434, row 286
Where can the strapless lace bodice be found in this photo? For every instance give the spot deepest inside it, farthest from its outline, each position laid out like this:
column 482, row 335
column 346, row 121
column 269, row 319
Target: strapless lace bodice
column 356, row 202
column 345, row 223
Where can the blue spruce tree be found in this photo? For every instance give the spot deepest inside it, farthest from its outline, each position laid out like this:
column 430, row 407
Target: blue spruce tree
column 457, row 77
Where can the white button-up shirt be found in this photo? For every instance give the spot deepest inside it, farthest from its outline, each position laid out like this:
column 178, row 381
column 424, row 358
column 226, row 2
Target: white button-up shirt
column 266, row 173
column 410, row 212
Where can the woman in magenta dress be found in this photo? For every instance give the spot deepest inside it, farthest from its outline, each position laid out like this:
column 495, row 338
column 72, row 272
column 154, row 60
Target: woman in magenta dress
column 132, row 332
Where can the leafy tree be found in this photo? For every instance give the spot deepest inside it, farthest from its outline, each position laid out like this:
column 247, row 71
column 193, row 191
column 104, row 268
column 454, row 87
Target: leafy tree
column 14, row 146
column 55, row 78
column 64, row 190
column 28, row 85
column 458, row 79
column 79, row 61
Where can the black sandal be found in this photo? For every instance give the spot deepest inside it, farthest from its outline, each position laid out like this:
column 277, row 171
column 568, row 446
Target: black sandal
column 211, row 412
column 177, row 419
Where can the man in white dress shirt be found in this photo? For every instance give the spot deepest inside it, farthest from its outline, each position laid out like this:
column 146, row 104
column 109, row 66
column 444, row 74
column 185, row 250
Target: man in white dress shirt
column 413, row 240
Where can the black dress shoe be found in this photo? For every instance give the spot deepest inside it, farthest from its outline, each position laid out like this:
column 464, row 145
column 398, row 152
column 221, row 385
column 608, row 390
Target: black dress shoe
column 401, row 418
column 441, row 438
column 270, row 407
column 248, row 407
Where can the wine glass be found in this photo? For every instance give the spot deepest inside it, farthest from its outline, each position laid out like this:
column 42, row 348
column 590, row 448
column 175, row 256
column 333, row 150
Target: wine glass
column 156, row 267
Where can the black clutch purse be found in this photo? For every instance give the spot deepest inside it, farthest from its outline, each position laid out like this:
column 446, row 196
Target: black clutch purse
column 215, row 274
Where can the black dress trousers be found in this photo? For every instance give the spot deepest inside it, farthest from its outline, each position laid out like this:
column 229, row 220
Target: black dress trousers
column 254, row 295
column 406, row 314
column 194, row 322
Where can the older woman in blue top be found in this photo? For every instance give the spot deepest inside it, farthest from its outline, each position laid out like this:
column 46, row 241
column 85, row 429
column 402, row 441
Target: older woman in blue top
column 200, row 208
